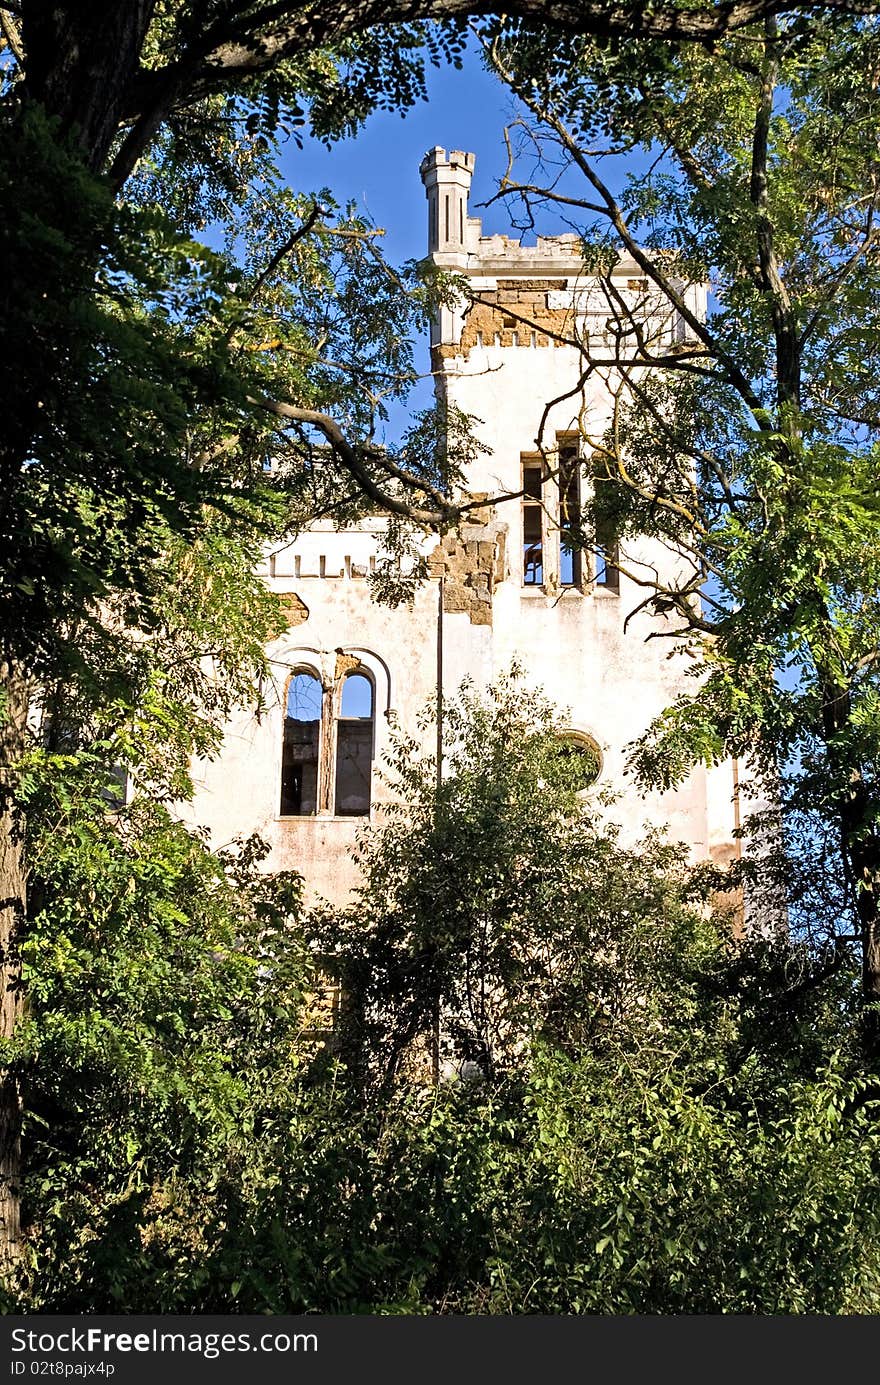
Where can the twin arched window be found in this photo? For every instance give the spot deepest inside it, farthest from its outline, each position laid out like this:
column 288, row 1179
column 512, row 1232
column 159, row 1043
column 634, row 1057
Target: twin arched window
column 327, row 767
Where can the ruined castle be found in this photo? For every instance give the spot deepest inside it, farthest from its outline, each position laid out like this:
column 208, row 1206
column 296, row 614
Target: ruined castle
column 305, row 775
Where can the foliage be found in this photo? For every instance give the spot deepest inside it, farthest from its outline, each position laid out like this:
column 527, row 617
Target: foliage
column 654, row 1120
column 492, row 901
column 168, row 1001
column 135, row 431
column 612, row 1186
column 609, row 1188
column 658, row 1120
column 745, row 439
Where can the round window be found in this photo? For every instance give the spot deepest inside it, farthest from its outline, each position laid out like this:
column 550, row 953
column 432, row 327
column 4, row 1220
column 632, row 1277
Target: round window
column 584, row 755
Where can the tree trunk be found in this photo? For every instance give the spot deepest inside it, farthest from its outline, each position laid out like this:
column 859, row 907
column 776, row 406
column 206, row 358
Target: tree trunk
column 81, row 62
column 13, row 899
column 871, row 955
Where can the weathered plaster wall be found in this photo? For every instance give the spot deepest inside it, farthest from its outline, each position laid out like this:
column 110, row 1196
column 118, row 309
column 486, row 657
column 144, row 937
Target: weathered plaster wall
column 609, row 683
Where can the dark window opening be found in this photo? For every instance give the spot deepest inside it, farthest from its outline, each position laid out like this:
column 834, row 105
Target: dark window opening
column 605, row 527
column 299, row 757
column 570, row 562
column 446, row 209
column 354, row 747
column 533, row 525
column 607, row 556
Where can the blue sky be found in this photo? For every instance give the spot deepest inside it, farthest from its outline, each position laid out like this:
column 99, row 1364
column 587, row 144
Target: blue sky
column 379, row 167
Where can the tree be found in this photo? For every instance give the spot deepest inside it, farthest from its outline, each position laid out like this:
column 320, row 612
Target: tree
column 636, row 1113
column 137, row 66
column 147, row 394
column 747, row 440
column 136, row 497
column 170, row 1008
column 498, row 907
column 652, row 1120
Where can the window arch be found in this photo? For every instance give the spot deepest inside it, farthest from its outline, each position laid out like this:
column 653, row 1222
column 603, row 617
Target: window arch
column 301, row 746
column 584, row 752
column 354, row 745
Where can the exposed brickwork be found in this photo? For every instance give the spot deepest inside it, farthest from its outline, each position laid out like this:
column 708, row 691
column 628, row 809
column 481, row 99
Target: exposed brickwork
column 495, row 313
column 293, row 608
column 730, row 902
column 345, row 663
column 472, row 561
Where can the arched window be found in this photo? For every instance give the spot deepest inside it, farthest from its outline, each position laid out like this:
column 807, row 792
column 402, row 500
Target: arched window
column 354, row 747
column 302, row 735
column 583, row 754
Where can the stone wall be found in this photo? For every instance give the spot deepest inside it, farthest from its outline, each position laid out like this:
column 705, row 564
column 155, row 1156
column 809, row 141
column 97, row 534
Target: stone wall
column 293, row 608
column 472, row 560
column 516, row 313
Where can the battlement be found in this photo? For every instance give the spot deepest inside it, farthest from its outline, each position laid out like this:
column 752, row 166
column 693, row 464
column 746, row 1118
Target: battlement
column 550, row 256
column 456, row 240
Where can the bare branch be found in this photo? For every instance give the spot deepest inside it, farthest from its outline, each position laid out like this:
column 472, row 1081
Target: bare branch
column 649, row 266
column 11, row 33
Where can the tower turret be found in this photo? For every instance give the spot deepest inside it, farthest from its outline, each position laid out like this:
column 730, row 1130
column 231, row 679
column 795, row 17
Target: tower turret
column 447, row 184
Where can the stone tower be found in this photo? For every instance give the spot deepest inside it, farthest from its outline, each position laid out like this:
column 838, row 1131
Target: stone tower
column 305, row 776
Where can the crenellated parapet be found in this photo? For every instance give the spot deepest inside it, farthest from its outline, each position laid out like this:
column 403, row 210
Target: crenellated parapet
column 536, row 296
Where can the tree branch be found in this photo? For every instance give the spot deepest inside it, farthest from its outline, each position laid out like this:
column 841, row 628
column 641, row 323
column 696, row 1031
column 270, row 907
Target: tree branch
column 770, row 279
column 647, row 263
column 269, row 269
column 354, row 463
column 12, row 34
column 244, row 42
